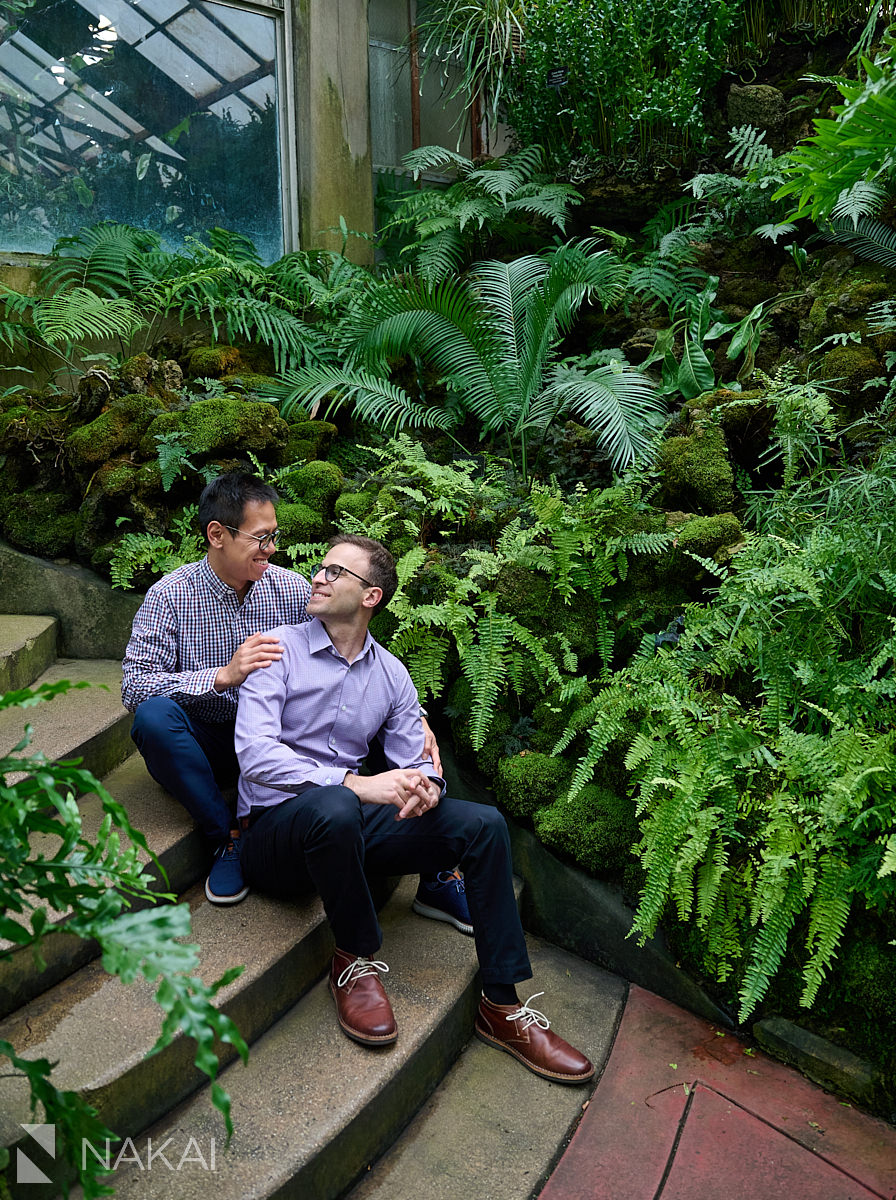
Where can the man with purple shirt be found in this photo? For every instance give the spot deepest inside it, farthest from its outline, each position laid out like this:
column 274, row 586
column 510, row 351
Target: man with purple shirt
column 199, row 634
column 303, row 728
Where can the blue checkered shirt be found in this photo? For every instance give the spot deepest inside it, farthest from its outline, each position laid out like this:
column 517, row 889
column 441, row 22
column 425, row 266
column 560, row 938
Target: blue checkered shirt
column 190, row 625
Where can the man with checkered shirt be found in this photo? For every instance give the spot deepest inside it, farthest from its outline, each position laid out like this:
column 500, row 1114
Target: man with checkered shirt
column 199, row 634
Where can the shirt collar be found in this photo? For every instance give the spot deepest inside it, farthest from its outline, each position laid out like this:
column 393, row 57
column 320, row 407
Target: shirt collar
column 319, row 639
column 221, row 589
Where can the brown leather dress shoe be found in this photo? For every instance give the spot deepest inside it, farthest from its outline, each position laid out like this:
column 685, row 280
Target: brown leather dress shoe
column 526, row 1034
column 362, row 1005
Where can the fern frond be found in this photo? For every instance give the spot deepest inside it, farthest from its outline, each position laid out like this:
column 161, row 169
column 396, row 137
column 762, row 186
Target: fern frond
column 748, row 147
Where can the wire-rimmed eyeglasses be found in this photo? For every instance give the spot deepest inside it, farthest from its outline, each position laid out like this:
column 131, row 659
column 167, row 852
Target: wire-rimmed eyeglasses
column 332, row 571
column 264, row 540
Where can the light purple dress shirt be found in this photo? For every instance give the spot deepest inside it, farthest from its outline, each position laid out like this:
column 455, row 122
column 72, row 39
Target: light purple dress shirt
column 311, row 717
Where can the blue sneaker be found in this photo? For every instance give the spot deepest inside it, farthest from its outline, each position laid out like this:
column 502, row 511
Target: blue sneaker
column 443, row 897
column 225, row 880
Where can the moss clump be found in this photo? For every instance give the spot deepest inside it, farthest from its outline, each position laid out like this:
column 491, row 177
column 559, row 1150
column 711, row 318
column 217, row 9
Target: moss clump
column 851, row 367
column 597, row 829
column 252, row 381
column 41, row 522
column 529, row 596
column 214, row 362
column 218, row 425
column 710, row 537
column 317, row 484
column 298, row 523
column 308, row 440
column 528, row 781
column 116, row 479
column 697, row 475
column 551, row 716
column 353, row 504
column 119, row 428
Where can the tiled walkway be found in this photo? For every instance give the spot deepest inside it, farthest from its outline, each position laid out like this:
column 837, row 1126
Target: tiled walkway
column 686, row 1112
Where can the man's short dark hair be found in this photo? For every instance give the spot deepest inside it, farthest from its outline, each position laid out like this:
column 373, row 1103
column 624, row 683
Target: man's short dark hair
column 225, row 499
column 381, row 573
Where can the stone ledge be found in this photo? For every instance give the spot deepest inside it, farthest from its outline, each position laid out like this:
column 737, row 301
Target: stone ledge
column 838, row 1070
column 94, row 619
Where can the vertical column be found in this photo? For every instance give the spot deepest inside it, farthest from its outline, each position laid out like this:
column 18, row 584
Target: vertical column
column 333, row 122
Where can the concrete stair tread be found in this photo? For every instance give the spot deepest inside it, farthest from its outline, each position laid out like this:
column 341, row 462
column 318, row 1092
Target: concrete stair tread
column 100, row 1030
column 27, row 648
column 312, row 1108
column 493, row 1129
column 89, row 723
column 170, row 834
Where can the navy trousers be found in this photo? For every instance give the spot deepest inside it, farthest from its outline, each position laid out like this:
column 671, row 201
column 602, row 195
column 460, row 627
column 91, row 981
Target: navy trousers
column 326, row 840
column 191, row 759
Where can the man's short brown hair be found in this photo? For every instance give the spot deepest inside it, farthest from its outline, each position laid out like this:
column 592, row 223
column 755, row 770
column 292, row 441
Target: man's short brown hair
column 381, row 573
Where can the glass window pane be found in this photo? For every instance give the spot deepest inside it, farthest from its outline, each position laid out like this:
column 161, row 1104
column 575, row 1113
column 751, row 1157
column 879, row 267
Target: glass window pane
column 157, row 113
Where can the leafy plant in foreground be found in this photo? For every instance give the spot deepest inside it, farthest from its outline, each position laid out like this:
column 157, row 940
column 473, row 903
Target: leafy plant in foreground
column 48, row 865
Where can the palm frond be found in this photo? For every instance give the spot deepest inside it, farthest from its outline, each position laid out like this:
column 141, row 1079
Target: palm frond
column 618, row 402
column 865, row 238
column 375, row 399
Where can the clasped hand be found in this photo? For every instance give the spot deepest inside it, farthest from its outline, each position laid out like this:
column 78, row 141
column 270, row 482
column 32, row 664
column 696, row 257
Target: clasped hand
column 408, row 789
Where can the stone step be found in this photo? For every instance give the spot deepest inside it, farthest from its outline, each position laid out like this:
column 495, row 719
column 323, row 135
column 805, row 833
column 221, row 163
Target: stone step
column 313, row 1109
column 99, row 1031
column 89, row 723
column 492, row 1129
column 27, row 649
column 171, row 836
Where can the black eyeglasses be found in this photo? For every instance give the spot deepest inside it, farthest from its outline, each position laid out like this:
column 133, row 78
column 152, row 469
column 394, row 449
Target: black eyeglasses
column 332, row 571
column 264, row 540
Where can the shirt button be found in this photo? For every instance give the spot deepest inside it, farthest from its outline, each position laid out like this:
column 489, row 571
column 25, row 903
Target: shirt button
column 343, row 708
column 329, row 779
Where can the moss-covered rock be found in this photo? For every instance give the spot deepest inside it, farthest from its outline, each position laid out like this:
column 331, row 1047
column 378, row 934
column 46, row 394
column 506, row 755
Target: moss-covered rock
column 353, row 504
column 528, row 781
column 711, row 537
column 697, row 475
column 850, row 368
column 529, row 596
column 308, row 440
column 214, row 362
column 119, row 428
column 218, row 425
column 116, row 479
column 41, row 522
column 144, row 374
column 317, row 484
column 597, row 829
column 252, row 381
column 299, row 523
column 551, row 715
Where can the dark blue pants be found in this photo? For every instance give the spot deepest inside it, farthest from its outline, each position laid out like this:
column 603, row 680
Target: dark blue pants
column 326, row 840
column 191, row 759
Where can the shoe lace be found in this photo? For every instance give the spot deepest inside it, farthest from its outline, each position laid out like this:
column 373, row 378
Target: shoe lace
column 359, row 967
column 230, row 852
column 452, row 879
column 530, row 1016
